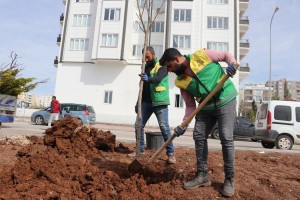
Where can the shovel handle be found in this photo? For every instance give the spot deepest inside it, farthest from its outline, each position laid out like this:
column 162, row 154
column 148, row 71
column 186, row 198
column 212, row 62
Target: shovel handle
column 209, row 96
column 192, row 115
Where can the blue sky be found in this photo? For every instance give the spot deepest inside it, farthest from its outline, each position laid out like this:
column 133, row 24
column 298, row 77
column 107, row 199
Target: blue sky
column 30, row 29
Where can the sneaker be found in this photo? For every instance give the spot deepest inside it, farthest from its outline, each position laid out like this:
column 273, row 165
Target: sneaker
column 171, row 159
column 228, row 190
column 201, row 180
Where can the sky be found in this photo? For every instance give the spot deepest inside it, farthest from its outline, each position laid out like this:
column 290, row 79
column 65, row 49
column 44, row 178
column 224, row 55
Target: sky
column 30, row 28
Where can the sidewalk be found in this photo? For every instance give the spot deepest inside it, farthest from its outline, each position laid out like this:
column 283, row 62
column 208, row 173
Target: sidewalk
column 116, row 127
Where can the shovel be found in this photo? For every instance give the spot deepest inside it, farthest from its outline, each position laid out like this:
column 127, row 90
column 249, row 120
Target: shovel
column 136, row 165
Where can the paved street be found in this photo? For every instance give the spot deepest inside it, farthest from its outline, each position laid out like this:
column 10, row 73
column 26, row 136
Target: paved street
column 22, row 126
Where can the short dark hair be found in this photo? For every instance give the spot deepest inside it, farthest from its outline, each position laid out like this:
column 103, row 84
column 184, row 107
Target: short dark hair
column 53, row 97
column 169, row 55
column 149, row 48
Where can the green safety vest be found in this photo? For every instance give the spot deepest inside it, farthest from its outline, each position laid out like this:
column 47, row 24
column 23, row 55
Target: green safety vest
column 208, row 74
column 159, row 91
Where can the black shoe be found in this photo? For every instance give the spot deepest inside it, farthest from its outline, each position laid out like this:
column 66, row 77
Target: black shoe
column 202, row 179
column 228, row 190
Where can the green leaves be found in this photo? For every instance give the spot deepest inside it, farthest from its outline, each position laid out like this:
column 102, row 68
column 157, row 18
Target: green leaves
column 10, row 81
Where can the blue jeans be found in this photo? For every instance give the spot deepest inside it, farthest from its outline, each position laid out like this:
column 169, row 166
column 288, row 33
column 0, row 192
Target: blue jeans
column 161, row 113
column 205, row 120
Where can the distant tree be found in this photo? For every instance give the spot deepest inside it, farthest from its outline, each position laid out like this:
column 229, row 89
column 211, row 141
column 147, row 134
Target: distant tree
column 11, row 82
column 287, row 93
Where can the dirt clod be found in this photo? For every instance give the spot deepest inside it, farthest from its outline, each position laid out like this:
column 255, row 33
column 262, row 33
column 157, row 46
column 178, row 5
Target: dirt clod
column 89, row 164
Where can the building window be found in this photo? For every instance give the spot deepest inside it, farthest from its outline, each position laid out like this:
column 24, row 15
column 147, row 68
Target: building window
column 179, row 101
column 156, row 4
column 217, row 22
column 137, row 50
column 218, row 46
column 82, row 20
column 182, row 15
column 158, row 50
column 79, row 44
column 112, row 14
column 181, row 41
column 109, row 40
column 217, row 1
column 108, row 97
column 84, row 1
column 158, row 27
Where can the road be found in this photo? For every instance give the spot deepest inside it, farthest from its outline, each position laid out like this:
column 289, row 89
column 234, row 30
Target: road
column 126, row 134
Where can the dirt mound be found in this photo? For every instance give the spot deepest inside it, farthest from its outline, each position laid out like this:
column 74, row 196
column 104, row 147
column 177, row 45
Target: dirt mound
column 81, row 162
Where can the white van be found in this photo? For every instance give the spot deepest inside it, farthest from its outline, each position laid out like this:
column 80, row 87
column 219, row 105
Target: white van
column 277, row 124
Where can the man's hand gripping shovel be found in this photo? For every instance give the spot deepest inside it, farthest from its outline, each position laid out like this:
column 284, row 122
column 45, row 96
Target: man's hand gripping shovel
column 136, row 165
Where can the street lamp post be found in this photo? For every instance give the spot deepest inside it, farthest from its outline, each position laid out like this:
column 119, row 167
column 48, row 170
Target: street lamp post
column 270, row 72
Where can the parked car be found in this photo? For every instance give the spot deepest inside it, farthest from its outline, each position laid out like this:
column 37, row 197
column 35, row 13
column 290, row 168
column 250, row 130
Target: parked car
column 277, row 124
column 243, row 129
column 83, row 112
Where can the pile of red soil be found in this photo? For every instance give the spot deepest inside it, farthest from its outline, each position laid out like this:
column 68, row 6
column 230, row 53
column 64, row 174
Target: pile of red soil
column 81, row 162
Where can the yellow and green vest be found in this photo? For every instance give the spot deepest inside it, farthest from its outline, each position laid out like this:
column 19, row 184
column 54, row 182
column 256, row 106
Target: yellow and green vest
column 159, row 91
column 208, row 75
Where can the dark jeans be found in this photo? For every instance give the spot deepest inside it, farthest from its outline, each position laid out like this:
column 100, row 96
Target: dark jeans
column 205, row 120
column 161, row 113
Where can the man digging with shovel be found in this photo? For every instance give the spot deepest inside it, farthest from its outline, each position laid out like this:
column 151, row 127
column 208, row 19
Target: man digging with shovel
column 197, row 75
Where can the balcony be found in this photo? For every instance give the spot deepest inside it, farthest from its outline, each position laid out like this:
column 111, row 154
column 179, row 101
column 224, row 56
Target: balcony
column 244, row 25
column 243, row 6
column 58, row 40
column 244, row 48
column 244, row 71
column 56, row 61
column 61, row 18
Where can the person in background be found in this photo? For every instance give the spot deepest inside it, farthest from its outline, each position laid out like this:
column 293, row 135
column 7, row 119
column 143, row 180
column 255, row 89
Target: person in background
column 68, row 113
column 55, row 110
column 155, row 99
column 197, row 75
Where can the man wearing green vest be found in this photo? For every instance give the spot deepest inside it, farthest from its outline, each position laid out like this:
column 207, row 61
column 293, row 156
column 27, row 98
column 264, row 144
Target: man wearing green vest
column 197, row 75
column 155, row 99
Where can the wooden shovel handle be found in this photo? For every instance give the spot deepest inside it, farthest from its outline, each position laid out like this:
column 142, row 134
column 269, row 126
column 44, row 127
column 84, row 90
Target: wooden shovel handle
column 192, row 115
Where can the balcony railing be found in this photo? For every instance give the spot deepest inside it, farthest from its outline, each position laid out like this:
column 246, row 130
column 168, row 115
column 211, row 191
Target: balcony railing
column 244, row 43
column 61, row 18
column 56, row 61
column 58, row 40
column 244, row 20
column 244, row 1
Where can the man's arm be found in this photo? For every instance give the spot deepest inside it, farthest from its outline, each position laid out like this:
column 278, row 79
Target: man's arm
column 189, row 102
column 161, row 73
column 220, row 56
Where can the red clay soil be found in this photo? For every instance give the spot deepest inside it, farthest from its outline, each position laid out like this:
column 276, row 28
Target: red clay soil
column 87, row 163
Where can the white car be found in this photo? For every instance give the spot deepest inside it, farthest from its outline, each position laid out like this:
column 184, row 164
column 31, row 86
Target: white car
column 277, row 124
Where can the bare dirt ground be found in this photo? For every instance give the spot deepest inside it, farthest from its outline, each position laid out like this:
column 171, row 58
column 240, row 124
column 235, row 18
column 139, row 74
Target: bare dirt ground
column 87, row 163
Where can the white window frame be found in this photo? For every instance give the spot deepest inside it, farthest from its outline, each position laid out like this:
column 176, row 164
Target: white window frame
column 82, row 20
column 179, row 102
column 217, row 1
column 108, row 95
column 113, row 14
column 110, row 40
column 218, row 46
column 137, row 50
column 79, row 44
column 158, row 27
column 183, row 41
column 217, row 22
column 182, row 15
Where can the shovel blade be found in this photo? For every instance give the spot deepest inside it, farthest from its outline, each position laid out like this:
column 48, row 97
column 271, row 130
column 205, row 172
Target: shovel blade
column 135, row 166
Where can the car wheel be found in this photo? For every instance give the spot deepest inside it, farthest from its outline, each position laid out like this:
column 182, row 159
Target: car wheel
column 215, row 134
column 268, row 145
column 284, row 142
column 39, row 120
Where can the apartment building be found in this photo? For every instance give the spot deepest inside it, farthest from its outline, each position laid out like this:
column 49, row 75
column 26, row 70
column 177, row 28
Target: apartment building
column 284, row 88
column 100, row 49
column 254, row 92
